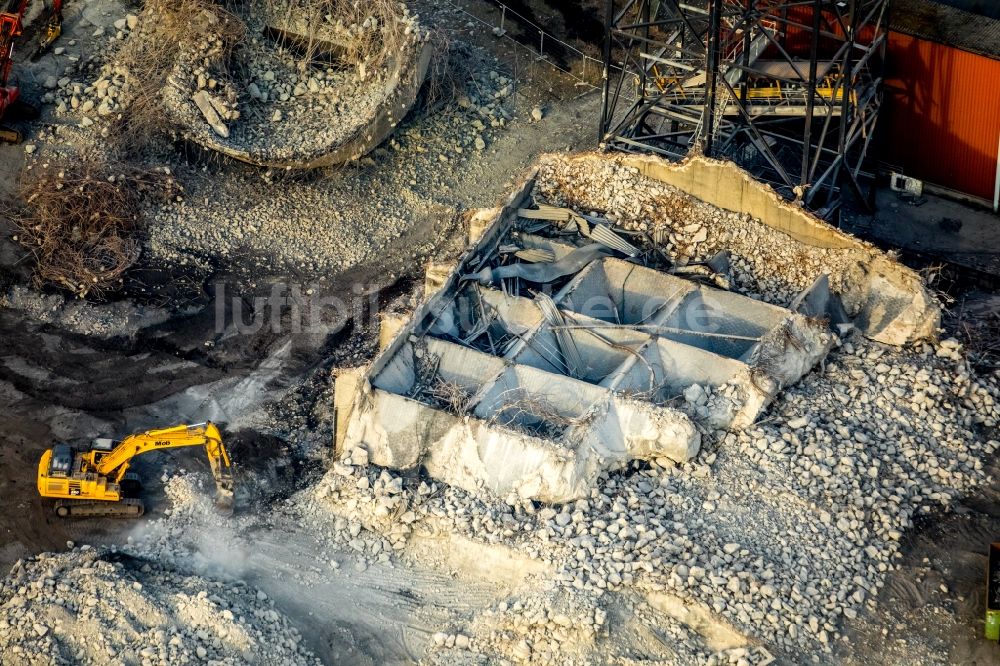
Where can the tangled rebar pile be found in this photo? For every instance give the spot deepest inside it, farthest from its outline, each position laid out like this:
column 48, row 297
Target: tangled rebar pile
column 80, row 222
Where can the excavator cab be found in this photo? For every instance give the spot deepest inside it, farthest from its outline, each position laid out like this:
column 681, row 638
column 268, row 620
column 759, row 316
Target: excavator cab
column 62, row 460
column 102, row 444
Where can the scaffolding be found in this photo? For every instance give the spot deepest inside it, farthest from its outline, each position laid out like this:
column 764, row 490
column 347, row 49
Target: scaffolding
column 788, row 89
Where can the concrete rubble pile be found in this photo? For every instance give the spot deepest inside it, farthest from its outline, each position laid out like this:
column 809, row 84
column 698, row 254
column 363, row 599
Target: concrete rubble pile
column 93, row 607
column 327, row 226
column 763, row 539
column 81, row 95
column 253, row 100
column 777, row 250
column 772, row 535
column 271, row 111
column 557, row 350
column 150, row 601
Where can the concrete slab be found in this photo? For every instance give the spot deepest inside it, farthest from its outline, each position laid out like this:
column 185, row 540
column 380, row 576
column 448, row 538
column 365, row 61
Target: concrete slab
column 522, row 431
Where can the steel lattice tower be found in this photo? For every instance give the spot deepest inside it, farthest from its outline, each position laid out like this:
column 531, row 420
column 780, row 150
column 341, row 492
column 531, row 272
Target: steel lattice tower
column 788, row 89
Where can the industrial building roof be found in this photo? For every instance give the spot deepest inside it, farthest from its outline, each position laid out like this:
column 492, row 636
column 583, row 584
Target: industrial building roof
column 948, row 25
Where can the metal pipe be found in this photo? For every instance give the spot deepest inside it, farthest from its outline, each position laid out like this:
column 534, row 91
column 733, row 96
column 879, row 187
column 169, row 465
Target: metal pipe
column 654, row 328
column 811, row 90
column 645, row 34
column 607, row 108
column 712, row 76
column 744, row 79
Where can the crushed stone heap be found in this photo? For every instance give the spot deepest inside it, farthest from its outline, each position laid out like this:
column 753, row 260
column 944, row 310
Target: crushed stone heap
column 272, row 109
column 255, row 85
column 777, row 250
column 89, row 606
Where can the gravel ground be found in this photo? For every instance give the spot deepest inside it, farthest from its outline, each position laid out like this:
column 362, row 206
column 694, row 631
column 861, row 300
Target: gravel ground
column 92, row 607
column 774, row 541
column 784, row 531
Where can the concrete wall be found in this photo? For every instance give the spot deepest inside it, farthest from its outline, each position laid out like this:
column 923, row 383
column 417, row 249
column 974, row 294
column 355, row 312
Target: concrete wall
column 890, row 301
column 725, row 185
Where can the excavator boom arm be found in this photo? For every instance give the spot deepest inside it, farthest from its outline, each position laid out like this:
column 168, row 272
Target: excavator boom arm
column 114, row 463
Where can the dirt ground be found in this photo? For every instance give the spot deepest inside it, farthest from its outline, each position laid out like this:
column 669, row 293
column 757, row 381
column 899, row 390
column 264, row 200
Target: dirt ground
column 932, row 608
column 59, row 383
column 934, row 227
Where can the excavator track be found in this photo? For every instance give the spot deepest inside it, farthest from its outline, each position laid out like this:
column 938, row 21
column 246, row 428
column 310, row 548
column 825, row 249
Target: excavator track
column 126, row 508
column 130, row 486
column 10, row 135
column 19, row 110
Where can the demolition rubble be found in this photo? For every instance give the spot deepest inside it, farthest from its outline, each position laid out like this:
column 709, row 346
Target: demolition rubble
column 238, row 83
column 770, row 532
column 640, row 412
column 676, row 446
column 557, row 351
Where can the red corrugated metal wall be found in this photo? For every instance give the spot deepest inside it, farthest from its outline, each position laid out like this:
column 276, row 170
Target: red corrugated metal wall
column 941, row 119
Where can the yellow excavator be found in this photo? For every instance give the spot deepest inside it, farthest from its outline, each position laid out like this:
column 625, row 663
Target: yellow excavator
column 97, row 482
column 11, row 27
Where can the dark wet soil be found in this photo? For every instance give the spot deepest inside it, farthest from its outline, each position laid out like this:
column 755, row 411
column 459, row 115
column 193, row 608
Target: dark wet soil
column 932, row 609
column 61, row 386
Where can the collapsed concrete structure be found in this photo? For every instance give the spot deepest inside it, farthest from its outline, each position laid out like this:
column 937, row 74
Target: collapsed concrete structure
column 296, row 117
column 556, row 350
column 776, row 239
